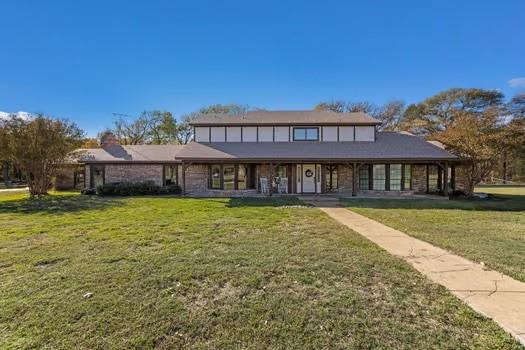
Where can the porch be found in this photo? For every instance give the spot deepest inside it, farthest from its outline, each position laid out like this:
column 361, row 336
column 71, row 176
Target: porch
column 362, row 179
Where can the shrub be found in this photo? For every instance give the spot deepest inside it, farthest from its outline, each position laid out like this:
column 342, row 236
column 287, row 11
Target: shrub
column 88, row 191
column 136, row 189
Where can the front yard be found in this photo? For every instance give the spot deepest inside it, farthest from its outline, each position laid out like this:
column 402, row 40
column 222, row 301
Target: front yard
column 215, row 273
column 491, row 231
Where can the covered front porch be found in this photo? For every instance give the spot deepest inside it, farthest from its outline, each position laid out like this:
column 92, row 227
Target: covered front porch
column 399, row 178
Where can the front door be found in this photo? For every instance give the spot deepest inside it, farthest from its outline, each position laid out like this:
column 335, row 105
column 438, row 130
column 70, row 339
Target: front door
column 308, row 178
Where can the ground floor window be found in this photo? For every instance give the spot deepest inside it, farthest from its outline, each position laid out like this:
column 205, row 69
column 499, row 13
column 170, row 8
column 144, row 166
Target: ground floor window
column 331, row 178
column 242, row 172
column 216, row 182
column 407, row 177
column 79, row 180
column 364, row 177
column 378, row 177
column 171, row 176
column 433, row 178
column 97, row 175
column 395, row 177
column 229, row 177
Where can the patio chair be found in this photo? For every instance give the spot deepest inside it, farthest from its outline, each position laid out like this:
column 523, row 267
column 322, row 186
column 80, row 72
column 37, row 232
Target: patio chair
column 264, row 185
column 283, row 185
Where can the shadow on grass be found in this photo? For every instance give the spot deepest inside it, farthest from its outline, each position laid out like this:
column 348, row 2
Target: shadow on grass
column 56, row 204
column 498, row 202
column 263, row 202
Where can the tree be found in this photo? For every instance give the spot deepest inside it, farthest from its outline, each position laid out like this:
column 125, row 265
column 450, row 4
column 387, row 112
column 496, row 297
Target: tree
column 436, row 113
column 184, row 129
column 233, row 109
column 39, row 146
column 517, row 106
column 90, row 143
column 4, row 156
column 477, row 139
column 390, row 114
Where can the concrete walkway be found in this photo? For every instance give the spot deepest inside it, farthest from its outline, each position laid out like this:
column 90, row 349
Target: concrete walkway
column 8, row 190
column 490, row 293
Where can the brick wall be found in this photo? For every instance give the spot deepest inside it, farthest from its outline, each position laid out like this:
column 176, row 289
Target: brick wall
column 344, row 178
column 134, row 173
column 196, row 178
column 419, row 178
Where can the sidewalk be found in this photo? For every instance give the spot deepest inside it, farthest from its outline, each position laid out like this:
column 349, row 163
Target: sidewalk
column 490, row 293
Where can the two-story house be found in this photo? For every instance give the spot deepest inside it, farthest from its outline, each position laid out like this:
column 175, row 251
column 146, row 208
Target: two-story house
column 283, row 152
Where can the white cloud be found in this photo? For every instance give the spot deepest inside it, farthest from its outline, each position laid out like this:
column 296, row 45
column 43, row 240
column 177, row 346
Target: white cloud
column 19, row 114
column 517, row 82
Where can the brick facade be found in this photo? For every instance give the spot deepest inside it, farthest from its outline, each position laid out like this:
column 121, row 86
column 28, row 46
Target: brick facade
column 197, row 178
column 419, row 178
column 134, row 173
column 344, row 178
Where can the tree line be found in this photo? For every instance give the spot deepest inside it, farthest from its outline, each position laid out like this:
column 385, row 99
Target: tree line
column 479, row 126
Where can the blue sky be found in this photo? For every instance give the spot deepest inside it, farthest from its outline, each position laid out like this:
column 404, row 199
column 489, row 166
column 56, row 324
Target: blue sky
column 85, row 60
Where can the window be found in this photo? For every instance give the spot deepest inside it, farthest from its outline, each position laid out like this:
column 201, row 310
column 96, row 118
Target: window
column 241, row 177
column 331, row 178
column 170, row 175
column 408, row 177
column 364, row 177
column 216, row 177
column 97, row 176
column 379, row 177
column 306, row 134
column 395, row 177
column 433, row 178
column 228, row 177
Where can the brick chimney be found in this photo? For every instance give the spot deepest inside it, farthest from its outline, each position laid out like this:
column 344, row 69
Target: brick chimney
column 108, row 139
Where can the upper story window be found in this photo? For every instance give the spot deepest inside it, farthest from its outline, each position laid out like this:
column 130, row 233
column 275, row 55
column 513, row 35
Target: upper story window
column 306, row 134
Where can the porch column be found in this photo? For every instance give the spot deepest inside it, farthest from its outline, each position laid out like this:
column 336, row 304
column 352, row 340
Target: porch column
column 445, row 179
column 354, row 179
column 183, row 178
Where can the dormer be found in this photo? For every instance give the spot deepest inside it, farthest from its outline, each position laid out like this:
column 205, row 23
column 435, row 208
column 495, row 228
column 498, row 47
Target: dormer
column 285, row 126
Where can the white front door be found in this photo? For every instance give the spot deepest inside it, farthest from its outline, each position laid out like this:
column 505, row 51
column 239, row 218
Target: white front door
column 308, row 178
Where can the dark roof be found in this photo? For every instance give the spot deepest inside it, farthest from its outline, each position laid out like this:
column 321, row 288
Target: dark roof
column 388, row 145
column 134, row 153
column 286, row 118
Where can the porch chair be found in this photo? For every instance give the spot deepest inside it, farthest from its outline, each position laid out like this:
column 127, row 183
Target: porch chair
column 283, row 185
column 264, row 185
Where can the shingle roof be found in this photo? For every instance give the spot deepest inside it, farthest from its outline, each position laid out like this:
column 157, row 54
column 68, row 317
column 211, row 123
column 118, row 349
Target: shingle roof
column 388, row 145
column 134, row 153
column 286, row 118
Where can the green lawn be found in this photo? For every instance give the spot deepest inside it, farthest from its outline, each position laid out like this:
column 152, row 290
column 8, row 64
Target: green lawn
column 212, row 273
column 485, row 230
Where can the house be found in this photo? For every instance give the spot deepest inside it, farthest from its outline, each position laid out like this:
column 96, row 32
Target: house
column 282, row 151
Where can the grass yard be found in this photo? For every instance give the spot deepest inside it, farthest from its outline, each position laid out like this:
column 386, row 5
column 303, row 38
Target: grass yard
column 484, row 230
column 213, row 273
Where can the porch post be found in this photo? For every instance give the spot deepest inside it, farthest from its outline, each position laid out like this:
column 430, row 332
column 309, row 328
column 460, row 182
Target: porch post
column 183, row 178
column 354, row 179
column 445, row 179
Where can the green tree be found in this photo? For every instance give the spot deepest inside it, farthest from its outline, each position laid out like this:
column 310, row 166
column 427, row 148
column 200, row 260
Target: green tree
column 39, row 146
column 436, row 113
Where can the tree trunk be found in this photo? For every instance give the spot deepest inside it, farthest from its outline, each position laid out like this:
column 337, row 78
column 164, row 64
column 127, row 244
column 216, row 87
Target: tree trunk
column 5, row 171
